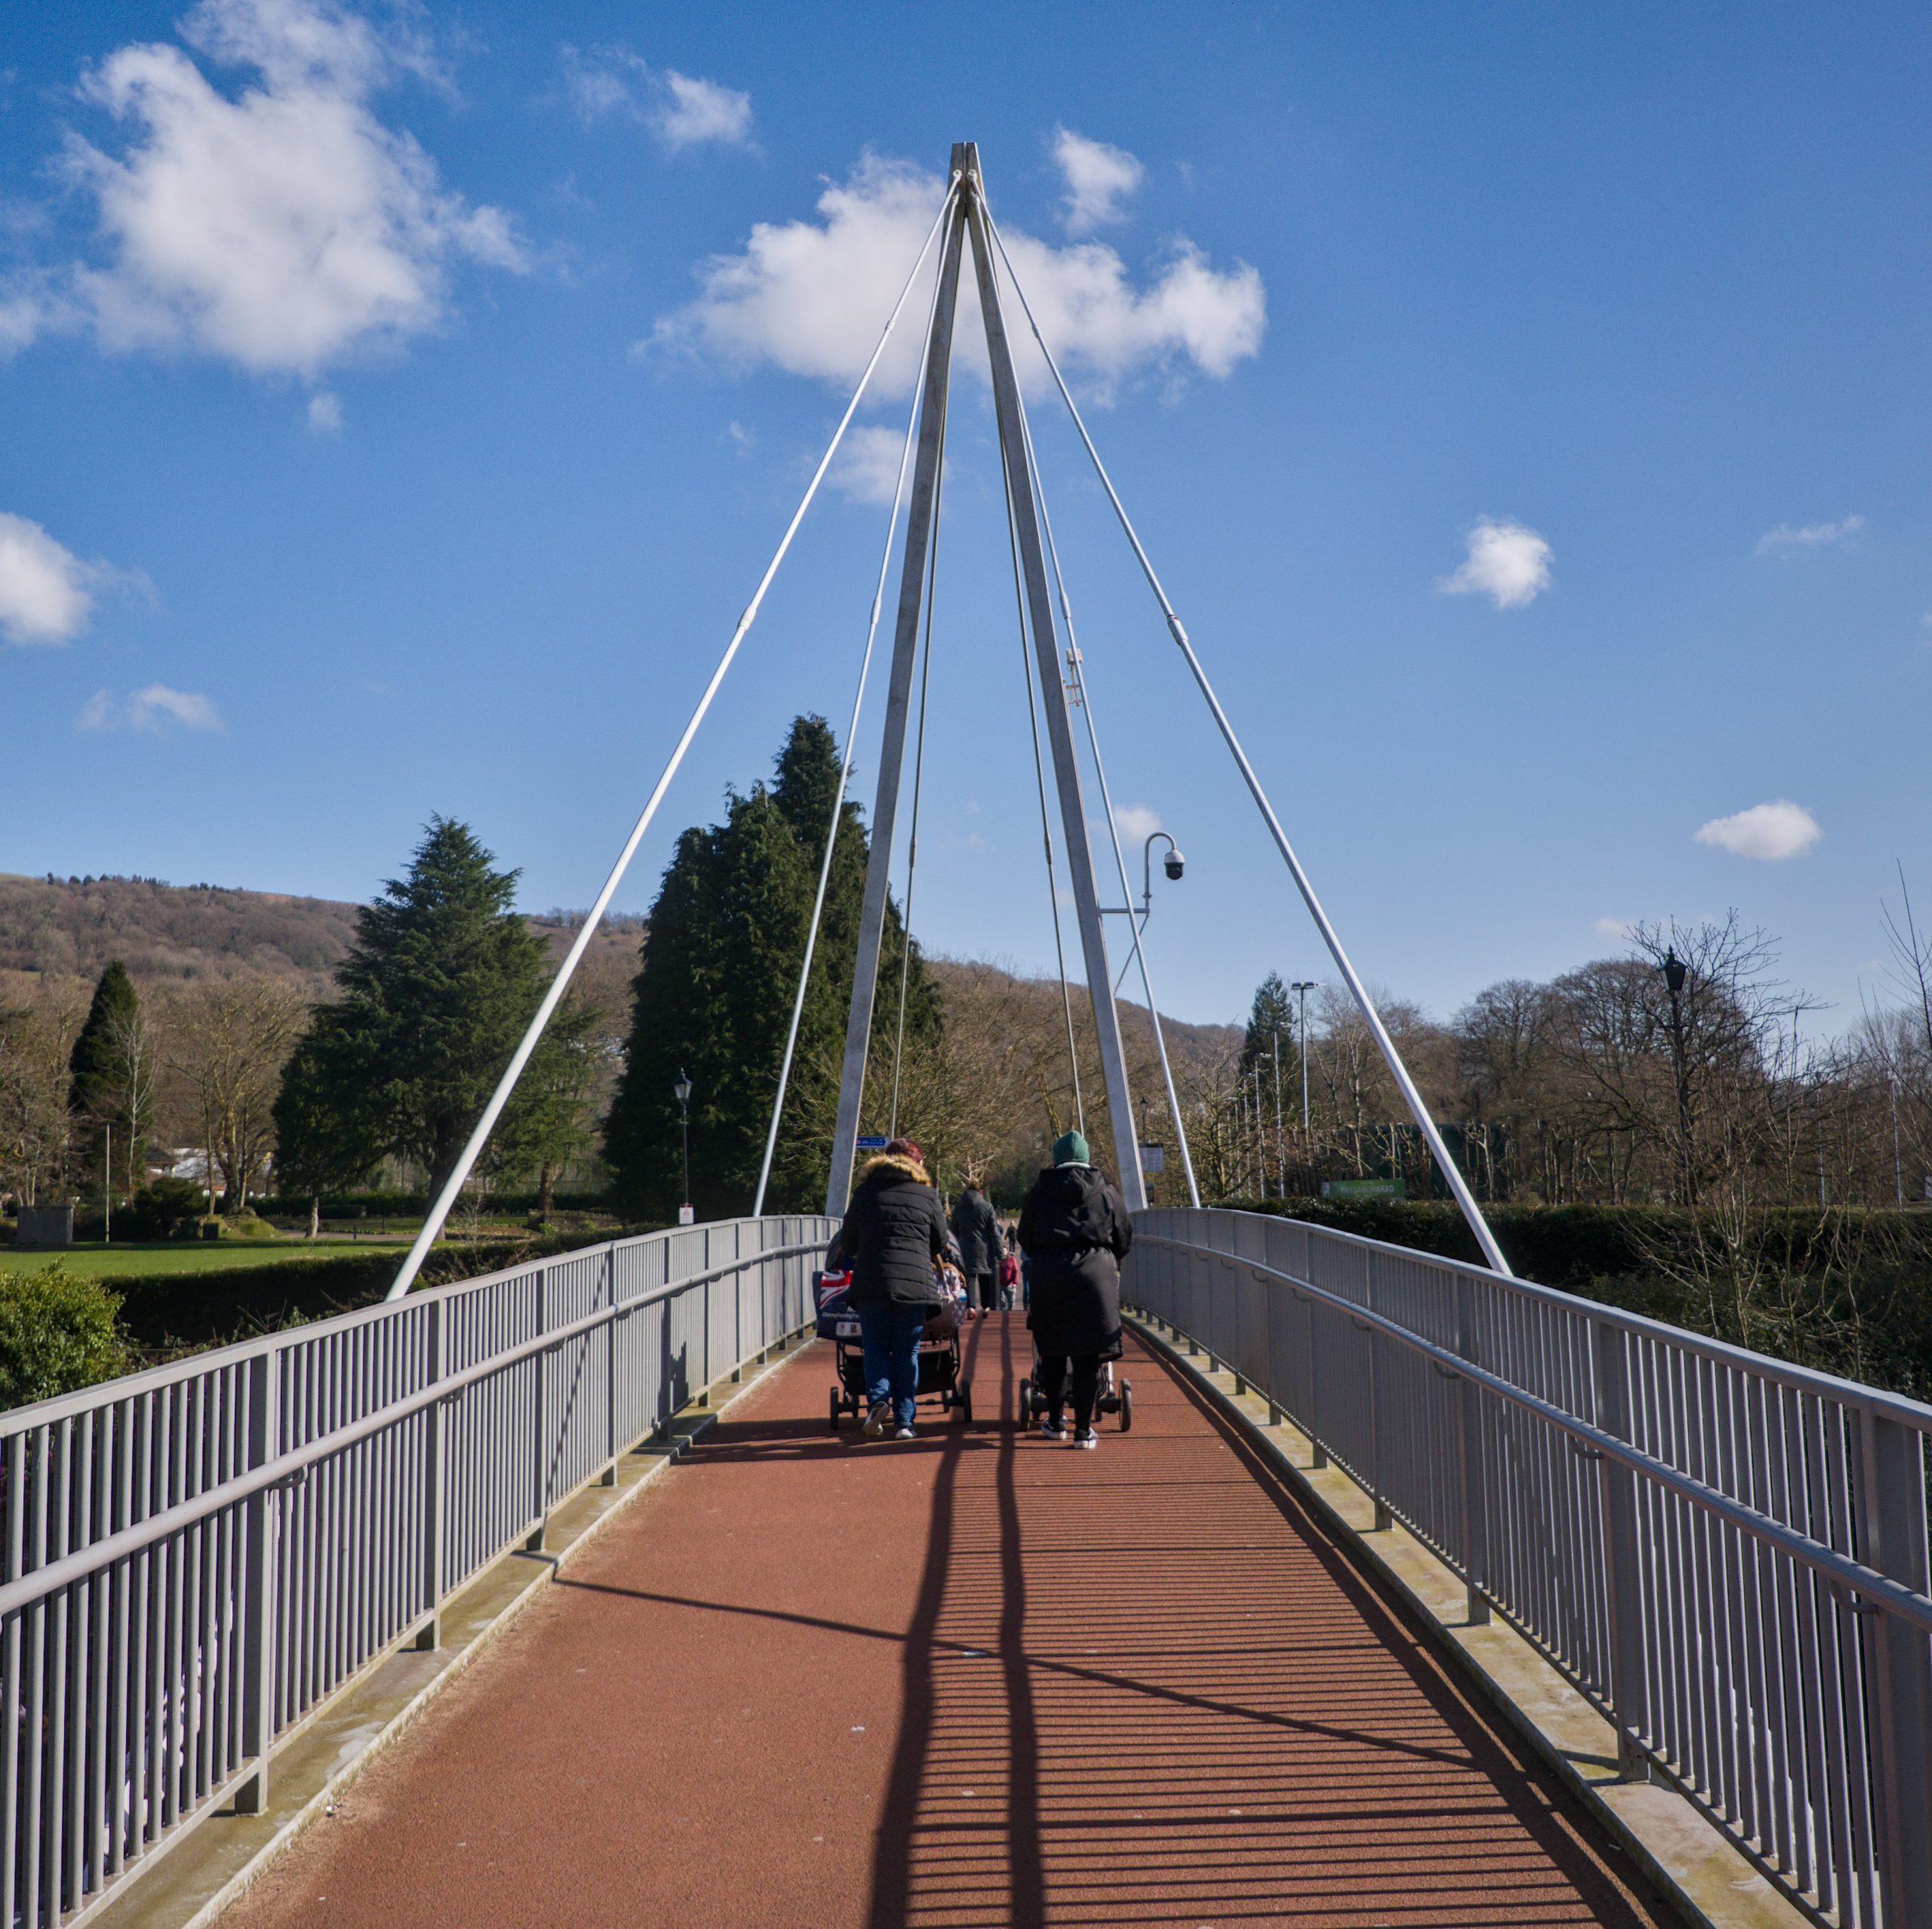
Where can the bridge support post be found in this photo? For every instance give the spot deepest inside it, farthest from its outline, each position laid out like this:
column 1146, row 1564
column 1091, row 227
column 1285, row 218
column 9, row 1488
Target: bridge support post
column 258, row 1596
column 1053, row 695
column 540, row 1496
column 1629, row 1684
column 1475, row 1518
column 1892, row 1527
column 436, row 1478
column 898, row 703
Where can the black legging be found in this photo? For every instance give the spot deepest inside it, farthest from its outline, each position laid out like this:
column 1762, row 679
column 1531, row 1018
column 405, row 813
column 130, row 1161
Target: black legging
column 1086, row 1385
column 982, row 1291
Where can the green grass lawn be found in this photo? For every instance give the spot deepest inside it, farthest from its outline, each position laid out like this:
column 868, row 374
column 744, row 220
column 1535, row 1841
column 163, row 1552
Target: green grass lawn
column 189, row 1255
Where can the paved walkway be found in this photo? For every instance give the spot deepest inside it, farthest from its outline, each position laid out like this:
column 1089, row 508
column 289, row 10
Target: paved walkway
column 977, row 1679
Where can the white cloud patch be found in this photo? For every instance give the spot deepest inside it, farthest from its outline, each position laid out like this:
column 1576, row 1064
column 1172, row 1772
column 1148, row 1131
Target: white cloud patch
column 325, row 413
column 1137, row 822
column 810, row 297
column 43, row 593
column 283, row 227
column 1506, row 562
column 1770, row 832
column 1099, row 179
column 157, row 710
column 1784, row 539
column 681, row 109
column 1614, row 927
column 867, row 467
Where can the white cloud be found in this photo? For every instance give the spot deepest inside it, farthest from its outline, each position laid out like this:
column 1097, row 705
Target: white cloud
column 867, row 469
column 157, row 710
column 1768, row 831
column 1099, row 178
column 284, row 228
column 1136, row 822
column 44, row 594
column 809, row 296
column 1614, row 928
column 325, row 413
column 1506, row 562
column 740, row 437
column 1784, row 539
column 681, row 109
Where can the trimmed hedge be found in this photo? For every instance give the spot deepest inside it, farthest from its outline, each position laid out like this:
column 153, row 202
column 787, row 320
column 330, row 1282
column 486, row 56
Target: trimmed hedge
column 166, row 1314
column 413, row 1205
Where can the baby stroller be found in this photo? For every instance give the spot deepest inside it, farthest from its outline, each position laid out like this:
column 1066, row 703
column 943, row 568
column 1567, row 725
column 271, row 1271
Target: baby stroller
column 940, row 1378
column 1113, row 1396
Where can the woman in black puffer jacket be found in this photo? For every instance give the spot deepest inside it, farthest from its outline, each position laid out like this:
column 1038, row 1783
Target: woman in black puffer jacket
column 1075, row 1231
column 894, row 1228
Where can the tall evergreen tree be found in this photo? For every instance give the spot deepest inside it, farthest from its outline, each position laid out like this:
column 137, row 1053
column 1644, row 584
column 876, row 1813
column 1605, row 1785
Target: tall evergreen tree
column 436, row 988
column 712, row 997
column 112, row 1091
column 324, row 1139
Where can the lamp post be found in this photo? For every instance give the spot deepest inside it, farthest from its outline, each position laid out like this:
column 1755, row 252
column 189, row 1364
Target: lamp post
column 1676, row 972
column 1280, row 1145
column 683, row 1089
column 1302, row 986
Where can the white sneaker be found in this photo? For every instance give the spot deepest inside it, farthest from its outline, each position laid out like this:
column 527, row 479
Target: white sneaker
column 878, row 1423
column 1087, row 1437
column 1051, row 1429
column 904, row 1433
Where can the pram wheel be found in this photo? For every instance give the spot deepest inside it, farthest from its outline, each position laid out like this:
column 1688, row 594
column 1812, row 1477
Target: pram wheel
column 962, row 1401
column 1024, row 1401
column 837, row 1407
column 1127, row 1406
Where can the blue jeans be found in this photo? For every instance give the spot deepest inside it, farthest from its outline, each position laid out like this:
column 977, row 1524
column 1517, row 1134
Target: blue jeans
column 890, row 1336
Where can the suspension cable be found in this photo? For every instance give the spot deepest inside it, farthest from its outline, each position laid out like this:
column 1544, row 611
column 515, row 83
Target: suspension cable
column 1046, row 830
column 440, row 1211
column 845, row 761
column 1418, row 1108
column 1076, row 662
column 918, row 776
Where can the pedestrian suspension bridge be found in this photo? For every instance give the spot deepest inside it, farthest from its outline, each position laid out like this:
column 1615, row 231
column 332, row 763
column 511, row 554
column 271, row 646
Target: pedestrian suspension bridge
column 1417, row 1593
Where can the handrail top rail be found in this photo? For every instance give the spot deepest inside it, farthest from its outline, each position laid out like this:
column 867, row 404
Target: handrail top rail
column 1842, row 1569
column 107, row 1392
column 1805, row 1380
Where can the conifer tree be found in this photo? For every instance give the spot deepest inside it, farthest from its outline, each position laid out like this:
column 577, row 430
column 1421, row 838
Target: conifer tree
column 112, row 1092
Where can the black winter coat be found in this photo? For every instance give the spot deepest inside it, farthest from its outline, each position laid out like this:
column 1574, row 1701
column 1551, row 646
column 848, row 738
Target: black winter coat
column 894, row 1228
column 977, row 1228
column 1075, row 1232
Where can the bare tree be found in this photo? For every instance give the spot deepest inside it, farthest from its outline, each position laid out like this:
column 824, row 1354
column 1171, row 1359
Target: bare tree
column 228, row 1039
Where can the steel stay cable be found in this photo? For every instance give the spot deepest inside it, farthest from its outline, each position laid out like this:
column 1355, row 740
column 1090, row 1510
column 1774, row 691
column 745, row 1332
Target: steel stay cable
column 1046, row 828
column 440, row 1211
column 1077, row 664
column 1893, row 1596
column 1398, row 1070
column 919, row 773
column 18, row 1594
column 845, row 761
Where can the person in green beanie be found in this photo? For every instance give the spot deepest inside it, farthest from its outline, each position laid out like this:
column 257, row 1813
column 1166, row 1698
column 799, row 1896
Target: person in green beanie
column 1075, row 1231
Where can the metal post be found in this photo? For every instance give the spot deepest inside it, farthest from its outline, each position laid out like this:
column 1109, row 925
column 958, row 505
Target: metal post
column 436, row 1478
column 259, row 1598
column 1281, row 1144
column 1630, row 1701
column 1893, row 1527
column 609, row 1476
column 1053, row 694
column 1377, row 1379
column 898, row 705
column 533, row 1544
column 1476, row 1522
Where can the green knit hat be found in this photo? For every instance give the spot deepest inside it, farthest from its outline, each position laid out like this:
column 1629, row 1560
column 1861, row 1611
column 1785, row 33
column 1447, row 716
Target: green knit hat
column 1070, row 1149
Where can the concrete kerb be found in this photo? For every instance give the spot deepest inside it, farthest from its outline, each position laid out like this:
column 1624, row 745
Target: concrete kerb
column 1685, row 1856
column 210, row 1867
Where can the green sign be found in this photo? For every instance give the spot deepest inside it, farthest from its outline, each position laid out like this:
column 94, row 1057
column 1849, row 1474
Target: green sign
column 1362, row 1188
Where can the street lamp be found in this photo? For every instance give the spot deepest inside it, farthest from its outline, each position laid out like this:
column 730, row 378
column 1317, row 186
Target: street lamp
column 683, row 1089
column 1676, row 972
column 1302, row 986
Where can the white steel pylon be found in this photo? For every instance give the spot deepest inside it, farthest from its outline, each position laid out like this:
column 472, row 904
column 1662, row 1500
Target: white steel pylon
column 967, row 221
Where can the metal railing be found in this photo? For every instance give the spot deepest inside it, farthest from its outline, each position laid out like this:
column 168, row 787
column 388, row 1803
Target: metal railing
column 194, row 1559
column 1728, row 1554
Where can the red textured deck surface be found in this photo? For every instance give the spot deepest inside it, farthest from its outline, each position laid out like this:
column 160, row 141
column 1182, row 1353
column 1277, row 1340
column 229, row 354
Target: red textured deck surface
column 977, row 1679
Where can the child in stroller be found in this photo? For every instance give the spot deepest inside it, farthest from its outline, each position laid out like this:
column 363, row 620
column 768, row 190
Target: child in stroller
column 940, row 1360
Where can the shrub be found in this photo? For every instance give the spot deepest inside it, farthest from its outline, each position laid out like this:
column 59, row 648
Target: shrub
column 57, row 1334
column 160, row 1211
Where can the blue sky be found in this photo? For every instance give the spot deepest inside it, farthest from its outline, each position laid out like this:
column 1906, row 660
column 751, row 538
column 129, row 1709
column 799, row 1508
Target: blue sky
column 1526, row 406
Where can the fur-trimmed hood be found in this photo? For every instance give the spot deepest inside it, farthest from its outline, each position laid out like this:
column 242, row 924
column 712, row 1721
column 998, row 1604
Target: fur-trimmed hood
column 896, row 1162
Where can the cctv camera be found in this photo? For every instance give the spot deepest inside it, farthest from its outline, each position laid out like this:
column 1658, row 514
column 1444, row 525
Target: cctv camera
column 1172, row 864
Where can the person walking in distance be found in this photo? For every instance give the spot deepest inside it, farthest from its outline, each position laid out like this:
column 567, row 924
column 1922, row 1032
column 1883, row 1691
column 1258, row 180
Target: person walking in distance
column 977, row 1228
column 894, row 1230
column 1075, row 1232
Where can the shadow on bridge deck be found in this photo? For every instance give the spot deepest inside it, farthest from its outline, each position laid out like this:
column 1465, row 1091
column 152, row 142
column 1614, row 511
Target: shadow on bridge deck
column 978, row 1680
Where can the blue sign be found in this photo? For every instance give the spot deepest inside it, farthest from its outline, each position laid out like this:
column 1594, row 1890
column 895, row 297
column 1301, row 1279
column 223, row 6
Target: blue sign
column 872, row 1145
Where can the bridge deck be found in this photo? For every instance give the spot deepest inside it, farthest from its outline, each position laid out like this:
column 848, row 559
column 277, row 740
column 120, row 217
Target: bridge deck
column 978, row 1681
